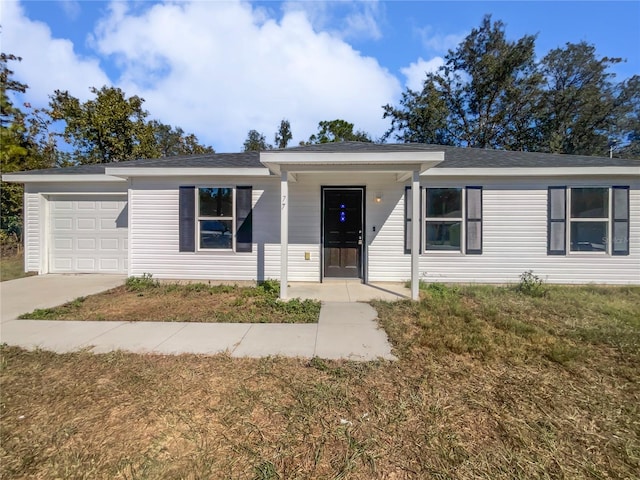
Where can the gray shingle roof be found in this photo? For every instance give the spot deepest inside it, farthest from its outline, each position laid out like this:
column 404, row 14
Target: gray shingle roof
column 455, row 157
column 458, row 157
column 212, row 160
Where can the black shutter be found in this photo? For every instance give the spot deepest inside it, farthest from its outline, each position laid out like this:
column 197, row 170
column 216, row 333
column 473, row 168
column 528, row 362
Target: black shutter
column 557, row 221
column 473, row 226
column 408, row 218
column 244, row 222
column 187, row 219
column 620, row 233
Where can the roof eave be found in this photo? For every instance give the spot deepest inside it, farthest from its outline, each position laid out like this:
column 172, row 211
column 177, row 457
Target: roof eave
column 533, row 172
column 129, row 172
column 59, row 178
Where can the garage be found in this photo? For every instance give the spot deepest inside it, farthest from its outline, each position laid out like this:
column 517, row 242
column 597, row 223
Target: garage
column 88, row 234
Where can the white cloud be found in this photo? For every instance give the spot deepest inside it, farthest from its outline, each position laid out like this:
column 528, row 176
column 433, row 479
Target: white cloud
column 221, row 68
column 416, row 71
column 47, row 63
column 346, row 20
column 438, row 42
column 70, row 7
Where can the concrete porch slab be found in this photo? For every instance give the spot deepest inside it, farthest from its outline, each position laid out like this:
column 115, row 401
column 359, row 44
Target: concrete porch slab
column 348, row 291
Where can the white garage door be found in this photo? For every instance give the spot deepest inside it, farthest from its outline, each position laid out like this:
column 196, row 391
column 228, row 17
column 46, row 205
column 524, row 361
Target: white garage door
column 88, row 234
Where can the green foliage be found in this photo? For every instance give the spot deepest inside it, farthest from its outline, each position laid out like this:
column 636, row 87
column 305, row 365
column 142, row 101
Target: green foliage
column 481, row 97
column 439, row 290
column 255, row 142
column 532, row 285
column 19, row 148
column 283, row 135
column 113, row 128
column 337, row 131
column 491, row 93
column 270, row 287
column 580, row 101
column 266, row 471
column 139, row 284
column 172, row 141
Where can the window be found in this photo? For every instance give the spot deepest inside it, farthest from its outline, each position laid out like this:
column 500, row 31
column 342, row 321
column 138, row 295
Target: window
column 589, row 219
column 597, row 217
column 215, row 218
column 443, row 219
column 452, row 219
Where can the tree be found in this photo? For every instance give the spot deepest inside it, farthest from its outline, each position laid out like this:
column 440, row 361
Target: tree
column 171, row 141
column 13, row 151
column 18, row 150
column 109, row 128
column 628, row 120
column 256, row 142
column 485, row 95
column 337, row 131
column 283, row 135
column 581, row 102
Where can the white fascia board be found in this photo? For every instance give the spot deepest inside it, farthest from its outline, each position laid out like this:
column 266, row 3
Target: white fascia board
column 361, row 161
column 187, row 172
column 58, row 178
column 532, row 172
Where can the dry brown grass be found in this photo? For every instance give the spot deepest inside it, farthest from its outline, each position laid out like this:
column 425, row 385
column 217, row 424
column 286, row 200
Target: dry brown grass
column 12, row 266
column 146, row 300
column 490, row 384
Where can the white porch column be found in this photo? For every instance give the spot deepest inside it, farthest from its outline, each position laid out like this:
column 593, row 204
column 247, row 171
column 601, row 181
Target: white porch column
column 284, row 233
column 415, row 235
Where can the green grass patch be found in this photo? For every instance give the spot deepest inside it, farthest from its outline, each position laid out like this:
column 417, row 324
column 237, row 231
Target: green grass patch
column 12, row 267
column 146, row 299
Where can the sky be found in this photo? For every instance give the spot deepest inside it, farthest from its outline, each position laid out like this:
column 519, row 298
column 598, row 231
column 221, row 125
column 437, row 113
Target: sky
column 221, row 68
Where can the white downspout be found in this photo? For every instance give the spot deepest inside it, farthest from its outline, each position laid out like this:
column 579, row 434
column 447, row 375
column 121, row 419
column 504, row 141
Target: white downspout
column 415, row 236
column 284, row 233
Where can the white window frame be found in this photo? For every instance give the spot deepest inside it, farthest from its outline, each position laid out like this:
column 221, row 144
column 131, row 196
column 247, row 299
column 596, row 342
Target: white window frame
column 608, row 220
column 463, row 232
column 200, row 218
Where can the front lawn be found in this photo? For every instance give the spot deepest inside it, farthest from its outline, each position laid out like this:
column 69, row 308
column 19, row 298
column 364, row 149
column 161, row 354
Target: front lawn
column 12, row 267
column 143, row 299
column 490, row 383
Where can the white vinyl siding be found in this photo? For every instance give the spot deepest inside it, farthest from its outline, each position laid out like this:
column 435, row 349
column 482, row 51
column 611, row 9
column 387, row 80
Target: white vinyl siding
column 514, row 231
column 514, row 240
column 31, row 232
column 154, row 234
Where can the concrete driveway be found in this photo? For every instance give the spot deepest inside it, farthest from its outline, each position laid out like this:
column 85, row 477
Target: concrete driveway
column 45, row 291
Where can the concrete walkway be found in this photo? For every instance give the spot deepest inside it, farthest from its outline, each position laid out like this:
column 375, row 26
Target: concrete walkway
column 345, row 330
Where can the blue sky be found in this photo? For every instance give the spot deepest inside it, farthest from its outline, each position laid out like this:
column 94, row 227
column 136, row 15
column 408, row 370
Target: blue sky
column 219, row 69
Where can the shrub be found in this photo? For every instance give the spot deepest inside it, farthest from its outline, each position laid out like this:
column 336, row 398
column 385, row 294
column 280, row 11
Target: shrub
column 532, row 285
column 138, row 284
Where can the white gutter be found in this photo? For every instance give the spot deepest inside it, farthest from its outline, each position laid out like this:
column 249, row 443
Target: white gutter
column 125, row 172
column 531, row 172
column 59, row 178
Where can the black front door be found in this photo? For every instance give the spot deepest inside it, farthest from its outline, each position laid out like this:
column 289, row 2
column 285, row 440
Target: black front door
column 342, row 232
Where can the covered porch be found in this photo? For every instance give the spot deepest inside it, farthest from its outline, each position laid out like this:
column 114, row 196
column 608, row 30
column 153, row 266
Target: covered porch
column 404, row 168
